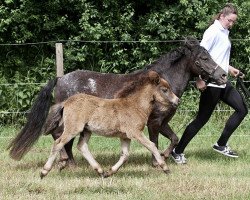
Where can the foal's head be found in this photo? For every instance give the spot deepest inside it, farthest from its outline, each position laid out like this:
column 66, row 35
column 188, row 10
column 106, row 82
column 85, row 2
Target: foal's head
column 162, row 92
column 160, row 89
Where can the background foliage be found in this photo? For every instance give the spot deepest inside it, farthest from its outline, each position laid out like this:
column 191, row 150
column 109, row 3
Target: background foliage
column 118, row 24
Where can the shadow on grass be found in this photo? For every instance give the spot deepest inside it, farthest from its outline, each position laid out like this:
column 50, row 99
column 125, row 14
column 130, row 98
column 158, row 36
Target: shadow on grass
column 210, row 156
column 106, row 161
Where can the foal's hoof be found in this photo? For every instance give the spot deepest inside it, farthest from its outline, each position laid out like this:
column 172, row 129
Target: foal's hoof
column 43, row 173
column 105, row 175
column 167, row 171
column 155, row 163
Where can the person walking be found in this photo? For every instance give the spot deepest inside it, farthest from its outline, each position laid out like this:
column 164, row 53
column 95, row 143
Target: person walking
column 216, row 41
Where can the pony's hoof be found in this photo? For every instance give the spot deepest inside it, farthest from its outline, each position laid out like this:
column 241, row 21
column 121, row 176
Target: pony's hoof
column 165, row 155
column 71, row 163
column 62, row 165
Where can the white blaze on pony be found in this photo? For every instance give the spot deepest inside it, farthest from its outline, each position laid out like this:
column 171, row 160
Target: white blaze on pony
column 124, row 117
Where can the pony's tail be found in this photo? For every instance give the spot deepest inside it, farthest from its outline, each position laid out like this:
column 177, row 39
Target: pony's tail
column 36, row 118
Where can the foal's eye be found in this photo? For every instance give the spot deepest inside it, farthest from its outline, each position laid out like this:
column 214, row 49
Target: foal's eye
column 165, row 90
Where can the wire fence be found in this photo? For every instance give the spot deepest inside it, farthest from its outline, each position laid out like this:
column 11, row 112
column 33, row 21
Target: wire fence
column 18, row 112
column 14, row 114
column 106, row 41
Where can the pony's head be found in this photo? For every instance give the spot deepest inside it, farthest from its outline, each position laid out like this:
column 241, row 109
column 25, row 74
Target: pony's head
column 202, row 63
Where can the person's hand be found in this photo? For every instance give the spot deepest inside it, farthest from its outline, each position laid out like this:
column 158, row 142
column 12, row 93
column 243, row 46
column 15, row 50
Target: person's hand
column 234, row 72
column 201, row 85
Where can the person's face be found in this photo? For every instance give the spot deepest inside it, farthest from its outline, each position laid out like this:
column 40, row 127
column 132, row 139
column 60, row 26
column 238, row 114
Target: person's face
column 227, row 21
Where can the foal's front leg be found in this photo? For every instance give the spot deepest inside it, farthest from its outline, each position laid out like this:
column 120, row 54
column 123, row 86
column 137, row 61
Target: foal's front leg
column 83, row 148
column 151, row 147
column 125, row 144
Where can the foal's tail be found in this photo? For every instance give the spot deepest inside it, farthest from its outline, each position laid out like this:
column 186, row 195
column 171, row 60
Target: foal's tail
column 54, row 119
column 31, row 131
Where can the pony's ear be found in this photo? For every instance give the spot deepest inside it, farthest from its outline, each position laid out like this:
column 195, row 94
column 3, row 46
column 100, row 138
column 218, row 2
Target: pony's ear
column 190, row 42
column 154, row 77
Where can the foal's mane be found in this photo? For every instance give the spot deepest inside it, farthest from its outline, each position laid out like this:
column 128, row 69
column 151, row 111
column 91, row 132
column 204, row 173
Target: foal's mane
column 133, row 86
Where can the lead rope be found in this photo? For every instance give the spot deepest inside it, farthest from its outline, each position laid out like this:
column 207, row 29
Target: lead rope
column 242, row 89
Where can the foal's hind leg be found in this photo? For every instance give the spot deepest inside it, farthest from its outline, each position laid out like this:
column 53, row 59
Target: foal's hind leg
column 58, row 145
column 125, row 144
column 83, row 148
column 151, row 147
column 66, row 155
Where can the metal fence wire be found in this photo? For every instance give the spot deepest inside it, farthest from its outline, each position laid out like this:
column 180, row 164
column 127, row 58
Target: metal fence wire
column 20, row 96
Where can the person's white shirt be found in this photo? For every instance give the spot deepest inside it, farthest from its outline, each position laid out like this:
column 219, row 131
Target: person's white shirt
column 216, row 41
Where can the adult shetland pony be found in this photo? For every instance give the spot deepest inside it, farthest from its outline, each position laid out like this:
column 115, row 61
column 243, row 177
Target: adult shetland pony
column 178, row 67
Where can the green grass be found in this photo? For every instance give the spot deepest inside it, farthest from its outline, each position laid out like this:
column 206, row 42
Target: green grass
column 208, row 175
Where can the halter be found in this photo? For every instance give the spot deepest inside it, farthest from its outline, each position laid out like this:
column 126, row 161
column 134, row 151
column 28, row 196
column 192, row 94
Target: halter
column 210, row 75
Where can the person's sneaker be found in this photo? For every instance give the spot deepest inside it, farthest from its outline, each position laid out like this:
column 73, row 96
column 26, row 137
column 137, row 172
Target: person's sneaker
column 225, row 150
column 179, row 158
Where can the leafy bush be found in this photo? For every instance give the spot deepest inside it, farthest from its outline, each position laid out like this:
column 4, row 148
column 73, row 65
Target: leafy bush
column 106, row 36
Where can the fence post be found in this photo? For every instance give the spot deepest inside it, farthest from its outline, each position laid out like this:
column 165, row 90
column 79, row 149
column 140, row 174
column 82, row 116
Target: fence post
column 59, row 60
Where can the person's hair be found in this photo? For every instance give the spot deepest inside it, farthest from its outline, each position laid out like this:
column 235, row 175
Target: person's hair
column 226, row 10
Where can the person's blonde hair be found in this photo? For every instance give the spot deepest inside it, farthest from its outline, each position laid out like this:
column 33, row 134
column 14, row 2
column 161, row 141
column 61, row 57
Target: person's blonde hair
column 226, row 10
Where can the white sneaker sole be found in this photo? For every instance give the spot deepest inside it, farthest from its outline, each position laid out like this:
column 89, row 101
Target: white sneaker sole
column 232, row 156
column 179, row 162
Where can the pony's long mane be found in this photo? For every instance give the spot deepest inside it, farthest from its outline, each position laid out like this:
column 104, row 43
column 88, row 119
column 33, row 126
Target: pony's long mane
column 133, row 86
column 169, row 58
column 175, row 55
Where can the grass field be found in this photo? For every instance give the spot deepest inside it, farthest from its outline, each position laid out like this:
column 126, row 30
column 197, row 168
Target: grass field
column 208, row 175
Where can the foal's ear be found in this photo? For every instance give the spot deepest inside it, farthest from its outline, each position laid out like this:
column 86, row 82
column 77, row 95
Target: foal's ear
column 154, row 77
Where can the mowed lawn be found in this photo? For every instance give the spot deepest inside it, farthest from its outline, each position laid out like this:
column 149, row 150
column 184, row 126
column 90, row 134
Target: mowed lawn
column 208, row 175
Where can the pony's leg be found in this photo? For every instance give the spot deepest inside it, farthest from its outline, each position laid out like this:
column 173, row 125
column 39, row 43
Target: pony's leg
column 83, row 148
column 58, row 145
column 169, row 133
column 153, row 131
column 125, row 144
column 151, row 147
column 68, row 151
